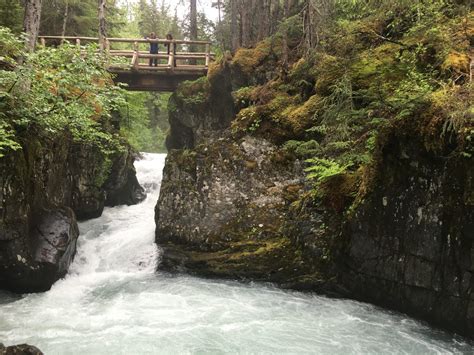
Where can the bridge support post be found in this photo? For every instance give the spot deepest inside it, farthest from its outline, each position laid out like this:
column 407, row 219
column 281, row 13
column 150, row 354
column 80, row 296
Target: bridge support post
column 171, row 58
column 136, row 56
column 208, row 55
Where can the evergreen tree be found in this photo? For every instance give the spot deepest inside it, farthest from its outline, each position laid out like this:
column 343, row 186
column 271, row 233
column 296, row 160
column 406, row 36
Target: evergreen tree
column 11, row 15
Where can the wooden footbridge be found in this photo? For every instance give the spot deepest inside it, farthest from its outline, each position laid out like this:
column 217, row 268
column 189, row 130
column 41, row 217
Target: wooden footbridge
column 177, row 63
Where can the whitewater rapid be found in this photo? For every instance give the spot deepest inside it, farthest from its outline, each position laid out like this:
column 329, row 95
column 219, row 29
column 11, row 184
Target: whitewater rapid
column 114, row 302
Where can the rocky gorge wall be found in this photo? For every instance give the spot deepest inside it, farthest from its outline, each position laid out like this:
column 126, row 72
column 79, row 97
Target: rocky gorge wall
column 410, row 241
column 239, row 206
column 43, row 189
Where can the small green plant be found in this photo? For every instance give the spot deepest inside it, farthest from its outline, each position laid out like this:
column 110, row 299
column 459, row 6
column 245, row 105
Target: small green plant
column 7, row 139
column 320, row 170
column 255, row 125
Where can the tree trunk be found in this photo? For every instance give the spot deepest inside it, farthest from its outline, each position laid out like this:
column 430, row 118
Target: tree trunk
column 66, row 14
column 268, row 19
column 102, row 24
column 235, row 34
column 275, row 17
column 245, row 23
column 286, row 10
column 220, row 33
column 31, row 23
column 219, row 11
column 193, row 29
column 316, row 14
column 261, row 25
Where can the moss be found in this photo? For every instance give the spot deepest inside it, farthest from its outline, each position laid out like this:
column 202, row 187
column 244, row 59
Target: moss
column 103, row 172
column 247, row 120
column 248, row 59
column 339, row 191
column 293, row 192
column 303, row 149
column 300, row 117
column 449, row 119
column 194, row 93
column 250, row 164
column 326, row 71
column 457, row 63
column 282, row 117
column 215, row 69
column 245, row 96
column 275, row 259
column 186, row 159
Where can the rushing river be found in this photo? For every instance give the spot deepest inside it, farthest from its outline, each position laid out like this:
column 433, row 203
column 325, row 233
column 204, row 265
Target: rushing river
column 113, row 302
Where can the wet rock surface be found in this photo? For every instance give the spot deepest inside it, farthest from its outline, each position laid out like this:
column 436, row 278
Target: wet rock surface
column 43, row 188
column 222, row 210
column 122, row 186
column 410, row 243
column 23, row 349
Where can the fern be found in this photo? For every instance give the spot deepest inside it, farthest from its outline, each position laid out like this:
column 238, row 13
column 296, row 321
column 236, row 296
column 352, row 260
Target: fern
column 322, row 169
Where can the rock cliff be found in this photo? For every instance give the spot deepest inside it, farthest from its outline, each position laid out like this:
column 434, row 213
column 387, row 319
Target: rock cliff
column 43, row 188
column 410, row 241
column 397, row 232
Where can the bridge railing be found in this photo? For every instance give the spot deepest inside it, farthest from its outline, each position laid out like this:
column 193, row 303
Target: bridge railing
column 132, row 48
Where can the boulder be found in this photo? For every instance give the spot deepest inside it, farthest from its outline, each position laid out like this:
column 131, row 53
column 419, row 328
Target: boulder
column 23, row 349
column 221, row 213
column 122, row 186
column 34, row 264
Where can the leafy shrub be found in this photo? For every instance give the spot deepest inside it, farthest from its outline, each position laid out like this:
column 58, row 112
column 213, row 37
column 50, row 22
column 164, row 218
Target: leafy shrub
column 56, row 90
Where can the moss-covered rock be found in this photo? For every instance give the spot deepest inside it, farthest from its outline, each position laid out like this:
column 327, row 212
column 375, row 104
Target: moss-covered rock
column 200, row 107
column 222, row 212
column 389, row 216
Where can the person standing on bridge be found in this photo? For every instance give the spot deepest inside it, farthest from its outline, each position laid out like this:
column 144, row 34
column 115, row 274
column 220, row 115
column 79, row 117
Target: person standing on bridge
column 153, row 50
column 169, row 37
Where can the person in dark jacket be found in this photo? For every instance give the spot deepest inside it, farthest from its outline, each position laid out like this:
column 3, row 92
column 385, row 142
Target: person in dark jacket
column 153, row 50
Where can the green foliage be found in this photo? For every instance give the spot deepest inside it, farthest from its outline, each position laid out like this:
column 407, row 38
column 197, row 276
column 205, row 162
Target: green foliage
column 143, row 121
column 152, row 16
column 57, row 90
column 377, row 63
column 10, row 47
column 303, row 149
column 338, row 109
column 7, row 139
column 104, row 171
column 11, row 15
column 320, row 170
column 245, row 96
column 194, row 93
